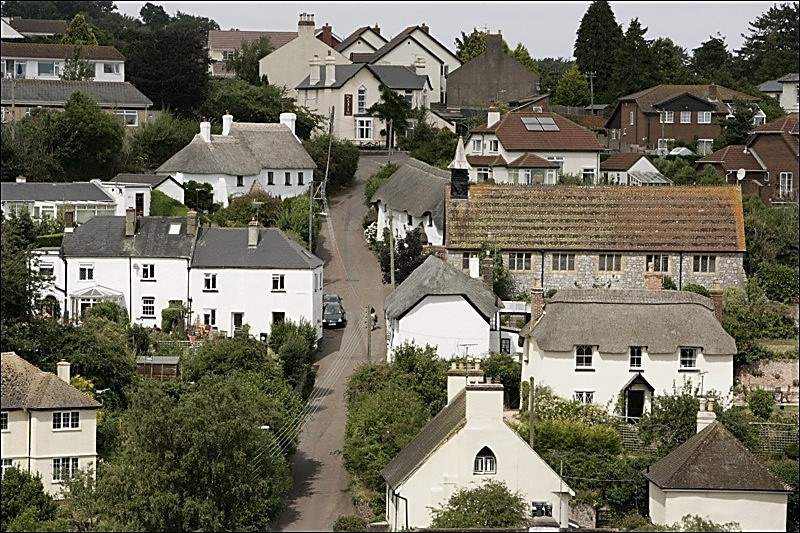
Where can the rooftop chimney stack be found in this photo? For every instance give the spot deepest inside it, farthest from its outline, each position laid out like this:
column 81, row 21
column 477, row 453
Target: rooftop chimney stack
column 459, row 173
column 715, row 293
column 314, row 64
column 205, row 131
column 63, row 370
column 330, row 70
column 252, row 234
column 484, row 403
column 460, row 374
column 712, row 92
column 537, row 302
column 706, row 415
column 289, row 120
column 191, row 222
column 424, row 27
column 494, row 42
column 305, row 27
column 327, row 35
column 130, row 222
column 376, row 28
column 487, row 270
column 21, row 179
column 493, row 116
column 227, row 122
column 653, row 281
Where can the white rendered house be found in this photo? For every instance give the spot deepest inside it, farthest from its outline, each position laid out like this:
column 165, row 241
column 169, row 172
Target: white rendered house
column 364, row 40
column 629, row 168
column 47, row 426
column 602, row 346
column 714, row 476
column 440, row 306
column 245, row 154
column 413, row 197
column 256, row 277
column 45, row 61
column 165, row 184
column 790, row 92
column 465, row 445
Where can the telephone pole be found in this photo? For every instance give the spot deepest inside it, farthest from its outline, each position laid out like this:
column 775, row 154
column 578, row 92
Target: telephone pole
column 368, row 327
column 317, row 192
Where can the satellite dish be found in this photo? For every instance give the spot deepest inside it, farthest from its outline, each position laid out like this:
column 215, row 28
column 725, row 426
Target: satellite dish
column 740, row 174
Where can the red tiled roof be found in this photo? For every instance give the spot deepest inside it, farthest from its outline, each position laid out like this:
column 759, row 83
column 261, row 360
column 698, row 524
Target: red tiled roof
column 733, row 157
column 594, row 122
column 787, row 124
column 515, row 137
column 60, row 51
column 653, row 95
column 532, row 161
column 622, row 161
column 233, row 39
column 560, row 217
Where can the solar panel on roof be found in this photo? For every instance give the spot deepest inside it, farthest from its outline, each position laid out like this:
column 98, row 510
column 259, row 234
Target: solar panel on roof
column 539, row 124
column 548, row 124
column 531, row 124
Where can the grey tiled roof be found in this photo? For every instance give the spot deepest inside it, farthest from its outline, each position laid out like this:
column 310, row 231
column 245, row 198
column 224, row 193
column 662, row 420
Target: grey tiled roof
column 615, row 319
column 436, row 277
column 154, row 180
column 227, row 248
column 52, row 192
column 392, row 76
column 353, row 37
column 713, row 459
column 793, row 76
column 441, row 427
column 57, row 92
column 104, row 236
column 248, row 149
column 770, row 86
column 417, row 188
column 23, row 386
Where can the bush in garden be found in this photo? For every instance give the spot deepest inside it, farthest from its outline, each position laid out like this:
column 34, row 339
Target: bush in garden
column 697, row 289
column 375, row 181
column 668, row 284
column 761, row 403
column 349, row 523
column 490, row 505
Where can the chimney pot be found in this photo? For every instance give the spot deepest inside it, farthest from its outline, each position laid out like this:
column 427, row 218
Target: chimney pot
column 376, row 29
column 424, row 27
column 63, row 370
column 21, row 179
column 205, row 131
column 227, row 122
column 252, row 234
column 130, row 222
column 706, row 415
column 289, row 119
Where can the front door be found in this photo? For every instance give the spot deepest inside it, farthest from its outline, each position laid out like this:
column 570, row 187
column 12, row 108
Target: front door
column 238, row 321
column 635, row 404
column 140, row 204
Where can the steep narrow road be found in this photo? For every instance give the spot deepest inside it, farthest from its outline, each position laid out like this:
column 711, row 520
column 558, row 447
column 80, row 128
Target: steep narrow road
column 321, row 485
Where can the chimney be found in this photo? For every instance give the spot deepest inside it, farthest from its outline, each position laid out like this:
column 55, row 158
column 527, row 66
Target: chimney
column 424, row 28
column 376, row 28
column 653, row 281
column 494, row 43
column 706, row 415
column 289, row 120
column 484, row 404
column 487, row 270
column 252, row 234
column 460, row 374
column 537, row 303
column 492, row 116
column 712, row 92
column 21, row 179
column 330, row 70
column 305, row 27
column 130, row 222
column 62, row 370
column 314, row 64
column 715, row 293
column 459, row 173
column 227, row 122
column 327, row 35
column 419, row 66
column 191, row 222
column 69, row 216
column 205, row 131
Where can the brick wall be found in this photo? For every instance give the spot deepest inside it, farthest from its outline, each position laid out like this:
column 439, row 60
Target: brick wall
column 778, row 157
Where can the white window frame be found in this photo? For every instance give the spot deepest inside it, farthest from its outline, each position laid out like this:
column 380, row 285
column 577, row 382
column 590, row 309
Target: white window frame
column 704, row 117
column 477, row 145
column 7, row 463
column 466, row 257
column 361, row 100
column 209, row 282
column 61, row 465
column 704, row 264
column 658, row 262
column 72, row 418
column 666, row 117
column 585, row 397
column 47, row 270
column 39, row 73
column 129, row 117
column 494, row 146
column 278, row 283
column 687, row 358
column 111, row 68
column 484, row 465
column 609, row 262
column 785, row 183
column 563, row 262
column 148, row 304
column 588, row 175
column 582, row 359
column 149, row 272
column 705, row 146
column 484, row 174
column 663, row 144
column 86, row 272
column 210, row 317
column 636, row 353
column 686, row 117
column 364, row 129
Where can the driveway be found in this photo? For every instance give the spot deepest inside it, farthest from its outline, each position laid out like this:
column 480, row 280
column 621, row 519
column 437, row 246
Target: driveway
column 321, row 484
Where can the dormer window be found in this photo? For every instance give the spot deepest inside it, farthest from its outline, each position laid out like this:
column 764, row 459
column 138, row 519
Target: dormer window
column 485, row 462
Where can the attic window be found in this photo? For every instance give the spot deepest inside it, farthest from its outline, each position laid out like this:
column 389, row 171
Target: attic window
column 174, row 229
column 485, row 462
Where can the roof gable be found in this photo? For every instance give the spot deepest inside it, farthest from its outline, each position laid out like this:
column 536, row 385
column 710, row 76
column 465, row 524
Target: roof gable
column 26, row 387
column 621, row 161
column 407, row 33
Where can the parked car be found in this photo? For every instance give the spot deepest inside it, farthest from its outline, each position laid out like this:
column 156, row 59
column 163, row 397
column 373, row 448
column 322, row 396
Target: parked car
column 331, row 298
column 333, row 315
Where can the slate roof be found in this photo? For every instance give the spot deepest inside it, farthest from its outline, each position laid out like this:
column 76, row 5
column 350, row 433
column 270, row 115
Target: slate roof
column 435, row 433
column 793, row 76
column 23, row 386
column 233, row 39
column 647, row 98
column 53, row 192
column 616, row 319
column 515, row 137
column 60, row 51
column 396, row 77
column 104, row 236
column 436, row 277
column 681, row 218
column 732, row 158
column 227, row 248
column 771, row 86
column 353, row 37
column 621, row 161
column 417, row 188
column 154, row 180
column 248, row 149
column 29, row 26
column 713, row 459
column 400, row 37
column 57, row 92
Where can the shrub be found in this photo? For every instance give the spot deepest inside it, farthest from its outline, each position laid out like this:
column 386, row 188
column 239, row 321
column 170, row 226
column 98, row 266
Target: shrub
column 698, row 289
column 551, row 407
column 738, row 420
column 344, row 160
column 375, row 181
column 787, row 470
column 672, row 419
column 570, row 435
column 422, row 371
column 779, row 281
column 24, row 493
column 505, row 369
column 162, row 205
column 50, row 240
column 349, row 523
column 490, row 505
column 761, row 403
column 138, row 339
column 173, row 320
column 155, row 142
column 110, row 311
column 668, row 284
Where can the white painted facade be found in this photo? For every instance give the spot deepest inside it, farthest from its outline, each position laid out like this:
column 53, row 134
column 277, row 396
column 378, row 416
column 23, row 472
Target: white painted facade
column 249, row 292
column 790, row 96
column 126, row 196
column 400, row 224
column 609, row 373
column 448, row 323
column 367, row 42
column 753, row 511
column 273, row 181
column 53, row 68
column 288, row 65
column 620, row 177
column 172, row 188
column 451, row 467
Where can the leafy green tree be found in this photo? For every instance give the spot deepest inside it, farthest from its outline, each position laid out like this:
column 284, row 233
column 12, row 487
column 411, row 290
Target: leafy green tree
column 636, row 67
column 521, row 54
column 241, row 211
column 79, row 32
column 503, row 284
column 739, row 124
column 154, row 15
column 155, row 142
column 162, row 205
column 572, row 89
column 672, row 419
column 408, row 256
column 672, row 62
column 490, row 505
column 770, row 48
column 57, row 10
column 711, row 61
column 779, row 281
column 392, row 107
column 225, row 355
column 550, row 70
column 76, row 67
column 597, row 45
column 245, row 60
column 422, row 371
column 771, row 235
column 787, row 470
column 90, row 140
column 470, row 46
column 505, row 369
column 199, row 196
column 20, row 284
column 761, row 403
column 29, row 147
column 293, row 218
column 375, row 181
column 23, row 493
column 343, row 160
column 434, row 146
